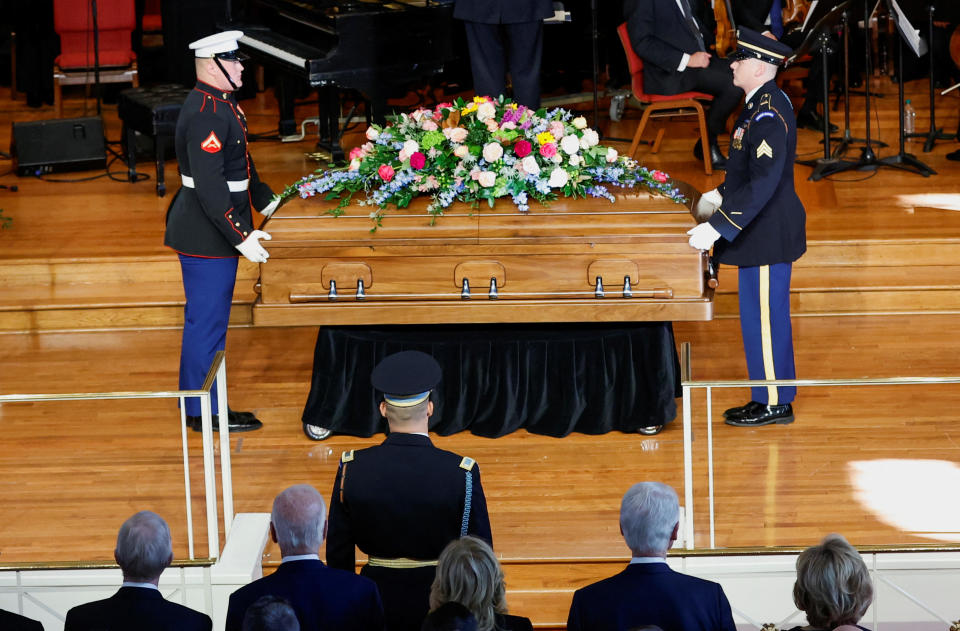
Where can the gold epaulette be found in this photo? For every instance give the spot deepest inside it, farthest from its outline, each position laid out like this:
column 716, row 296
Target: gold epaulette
column 467, row 463
column 347, row 456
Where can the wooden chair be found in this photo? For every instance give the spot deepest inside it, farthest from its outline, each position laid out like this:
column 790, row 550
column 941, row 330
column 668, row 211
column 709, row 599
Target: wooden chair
column 73, row 22
column 683, row 104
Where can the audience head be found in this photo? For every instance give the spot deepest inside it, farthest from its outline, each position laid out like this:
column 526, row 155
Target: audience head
column 450, row 617
column 468, row 573
column 270, row 613
column 144, row 548
column 298, row 520
column 406, row 380
column 833, row 585
column 649, row 518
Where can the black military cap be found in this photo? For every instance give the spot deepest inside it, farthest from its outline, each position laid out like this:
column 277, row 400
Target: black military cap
column 753, row 45
column 406, row 378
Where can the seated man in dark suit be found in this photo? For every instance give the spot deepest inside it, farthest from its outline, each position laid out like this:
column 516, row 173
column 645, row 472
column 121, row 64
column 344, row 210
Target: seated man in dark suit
column 322, row 597
column 10, row 621
column 648, row 592
column 667, row 36
column 270, row 613
column 144, row 550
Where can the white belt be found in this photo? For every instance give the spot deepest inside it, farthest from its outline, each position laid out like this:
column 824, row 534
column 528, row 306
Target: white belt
column 235, row 186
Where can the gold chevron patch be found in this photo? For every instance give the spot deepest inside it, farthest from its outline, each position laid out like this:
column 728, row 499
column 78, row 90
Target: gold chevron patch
column 765, row 150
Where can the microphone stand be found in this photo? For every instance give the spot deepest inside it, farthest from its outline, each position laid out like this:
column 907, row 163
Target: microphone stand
column 844, row 142
column 933, row 134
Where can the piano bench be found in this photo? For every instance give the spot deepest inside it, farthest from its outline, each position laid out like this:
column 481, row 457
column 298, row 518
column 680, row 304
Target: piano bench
column 152, row 111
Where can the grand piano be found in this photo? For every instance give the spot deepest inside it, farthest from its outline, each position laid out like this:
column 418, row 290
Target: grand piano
column 371, row 46
column 555, row 320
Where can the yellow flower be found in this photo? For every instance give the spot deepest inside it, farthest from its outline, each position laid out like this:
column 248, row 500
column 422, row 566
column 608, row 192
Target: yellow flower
column 470, row 108
column 479, row 99
column 545, row 137
column 511, row 106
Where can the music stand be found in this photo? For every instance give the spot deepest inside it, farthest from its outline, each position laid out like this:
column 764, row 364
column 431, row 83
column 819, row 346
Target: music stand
column 903, row 160
column 825, row 15
column 933, row 134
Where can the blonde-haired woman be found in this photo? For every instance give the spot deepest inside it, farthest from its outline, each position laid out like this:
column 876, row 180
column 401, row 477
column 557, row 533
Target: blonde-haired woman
column 468, row 573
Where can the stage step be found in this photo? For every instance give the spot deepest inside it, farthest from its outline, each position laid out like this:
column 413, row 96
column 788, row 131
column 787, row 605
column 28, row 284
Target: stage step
column 832, row 278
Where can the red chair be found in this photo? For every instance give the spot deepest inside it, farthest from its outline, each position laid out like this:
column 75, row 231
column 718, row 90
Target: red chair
column 73, row 22
column 683, row 104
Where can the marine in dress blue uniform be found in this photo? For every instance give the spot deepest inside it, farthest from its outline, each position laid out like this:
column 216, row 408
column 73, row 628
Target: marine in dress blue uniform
column 505, row 35
column 209, row 221
column 759, row 226
column 401, row 502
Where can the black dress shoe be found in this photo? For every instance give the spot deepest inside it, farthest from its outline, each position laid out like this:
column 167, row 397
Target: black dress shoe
column 236, row 422
column 743, row 410
column 763, row 415
column 954, row 155
column 651, row 430
column 811, row 120
column 717, row 159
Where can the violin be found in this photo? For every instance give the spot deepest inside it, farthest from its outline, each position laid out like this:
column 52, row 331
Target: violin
column 726, row 34
column 794, row 12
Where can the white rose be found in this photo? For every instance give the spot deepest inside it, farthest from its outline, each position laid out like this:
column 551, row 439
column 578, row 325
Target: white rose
column 580, row 122
column 556, row 158
column 492, row 151
column 589, row 139
column 486, row 110
column 354, row 164
column 487, row 178
column 372, row 133
column 558, row 178
column 611, row 154
column 570, row 144
column 575, row 160
column 410, row 147
column 461, row 151
column 530, row 165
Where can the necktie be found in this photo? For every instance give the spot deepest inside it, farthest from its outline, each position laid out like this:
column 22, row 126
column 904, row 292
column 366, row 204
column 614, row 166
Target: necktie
column 776, row 18
column 688, row 15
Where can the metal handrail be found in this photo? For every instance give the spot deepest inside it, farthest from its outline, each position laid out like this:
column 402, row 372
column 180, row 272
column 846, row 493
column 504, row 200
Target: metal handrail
column 688, row 384
column 216, row 374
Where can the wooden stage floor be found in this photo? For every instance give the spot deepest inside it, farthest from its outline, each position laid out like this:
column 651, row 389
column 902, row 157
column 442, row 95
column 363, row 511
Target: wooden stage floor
column 878, row 464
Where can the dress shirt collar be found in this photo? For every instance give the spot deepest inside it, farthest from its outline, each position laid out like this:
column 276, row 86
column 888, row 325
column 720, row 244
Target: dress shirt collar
column 638, row 560
column 300, row 557
column 143, row 585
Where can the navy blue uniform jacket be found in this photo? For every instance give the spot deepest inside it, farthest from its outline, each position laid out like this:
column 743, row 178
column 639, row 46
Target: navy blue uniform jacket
column 502, row 11
column 761, row 219
column 650, row 594
column 324, row 598
column 138, row 608
column 209, row 219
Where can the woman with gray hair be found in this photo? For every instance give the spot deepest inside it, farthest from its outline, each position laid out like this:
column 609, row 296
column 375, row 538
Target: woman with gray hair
column 468, row 573
column 833, row 585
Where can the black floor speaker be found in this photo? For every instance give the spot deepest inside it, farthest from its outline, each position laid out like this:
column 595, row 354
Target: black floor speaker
column 62, row 144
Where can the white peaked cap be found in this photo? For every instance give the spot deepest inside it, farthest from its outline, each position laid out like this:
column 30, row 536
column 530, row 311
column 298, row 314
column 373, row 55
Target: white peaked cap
column 217, row 43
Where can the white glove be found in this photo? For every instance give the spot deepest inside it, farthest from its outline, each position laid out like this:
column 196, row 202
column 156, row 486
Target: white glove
column 708, row 203
column 703, row 236
column 252, row 249
column 269, row 208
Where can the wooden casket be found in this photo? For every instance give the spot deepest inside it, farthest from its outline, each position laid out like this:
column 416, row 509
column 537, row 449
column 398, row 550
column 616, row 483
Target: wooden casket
column 584, row 260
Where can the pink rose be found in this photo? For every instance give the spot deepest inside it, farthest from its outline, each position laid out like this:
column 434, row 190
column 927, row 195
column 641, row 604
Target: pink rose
column 611, row 154
column 385, row 172
column 367, row 148
column 372, row 133
column 492, row 125
column 556, row 128
column 522, row 148
column 455, row 134
column 417, row 160
column 659, row 176
column 428, row 125
column 492, row 151
column 356, row 152
column 508, row 125
column 462, row 151
column 548, row 150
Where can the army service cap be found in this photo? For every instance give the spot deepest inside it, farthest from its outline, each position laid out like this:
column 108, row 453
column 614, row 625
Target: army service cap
column 406, row 378
column 220, row 45
column 753, row 45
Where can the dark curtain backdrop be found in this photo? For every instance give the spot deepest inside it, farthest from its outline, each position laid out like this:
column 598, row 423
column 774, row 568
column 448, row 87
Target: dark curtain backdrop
column 584, row 378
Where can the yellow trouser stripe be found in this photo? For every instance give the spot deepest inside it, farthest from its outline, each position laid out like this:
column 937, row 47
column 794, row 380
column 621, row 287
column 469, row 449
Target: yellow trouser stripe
column 766, row 337
column 399, row 564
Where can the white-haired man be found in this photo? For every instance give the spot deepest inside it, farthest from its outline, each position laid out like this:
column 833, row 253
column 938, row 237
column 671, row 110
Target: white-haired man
column 648, row 592
column 144, row 550
column 322, row 597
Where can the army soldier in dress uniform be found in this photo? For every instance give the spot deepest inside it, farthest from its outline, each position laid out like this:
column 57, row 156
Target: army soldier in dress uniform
column 759, row 225
column 401, row 502
column 209, row 220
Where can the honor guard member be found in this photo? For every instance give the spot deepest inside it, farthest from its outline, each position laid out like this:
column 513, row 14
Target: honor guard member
column 401, row 502
column 209, row 222
column 759, row 226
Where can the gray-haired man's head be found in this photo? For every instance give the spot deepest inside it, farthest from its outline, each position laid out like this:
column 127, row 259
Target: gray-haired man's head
column 649, row 518
column 144, row 548
column 298, row 520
